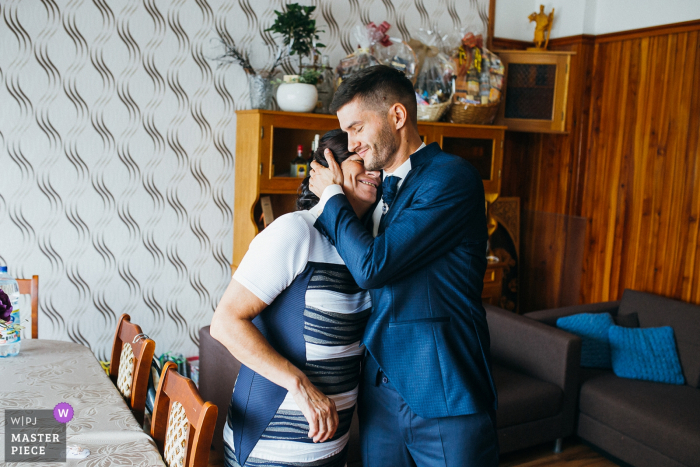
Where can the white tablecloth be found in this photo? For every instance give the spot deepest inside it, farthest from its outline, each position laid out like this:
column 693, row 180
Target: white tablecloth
column 47, row 372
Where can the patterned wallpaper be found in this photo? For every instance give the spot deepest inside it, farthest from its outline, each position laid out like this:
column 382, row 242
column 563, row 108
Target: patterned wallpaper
column 117, row 137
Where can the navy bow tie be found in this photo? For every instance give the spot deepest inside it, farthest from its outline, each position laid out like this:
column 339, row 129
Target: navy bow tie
column 390, row 186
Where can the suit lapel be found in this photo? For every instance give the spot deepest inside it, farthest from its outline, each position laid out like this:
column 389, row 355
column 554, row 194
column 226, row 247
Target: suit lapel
column 417, row 160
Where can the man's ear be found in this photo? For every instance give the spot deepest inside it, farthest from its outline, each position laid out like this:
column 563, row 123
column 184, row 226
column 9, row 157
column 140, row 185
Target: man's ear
column 398, row 115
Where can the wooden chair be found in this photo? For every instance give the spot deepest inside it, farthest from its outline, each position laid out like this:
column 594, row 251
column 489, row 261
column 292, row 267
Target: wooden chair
column 132, row 353
column 183, row 424
column 31, row 287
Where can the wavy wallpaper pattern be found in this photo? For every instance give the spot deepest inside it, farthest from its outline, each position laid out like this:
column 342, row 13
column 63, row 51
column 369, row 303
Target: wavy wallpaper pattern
column 117, row 133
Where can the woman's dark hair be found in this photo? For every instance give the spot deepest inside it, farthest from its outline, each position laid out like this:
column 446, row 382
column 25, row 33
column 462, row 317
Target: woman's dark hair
column 337, row 142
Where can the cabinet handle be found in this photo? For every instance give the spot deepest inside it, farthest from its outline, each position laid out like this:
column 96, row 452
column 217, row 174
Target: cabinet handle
column 262, row 133
column 261, row 169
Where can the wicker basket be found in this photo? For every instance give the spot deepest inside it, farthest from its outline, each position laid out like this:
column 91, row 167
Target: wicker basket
column 432, row 112
column 474, row 114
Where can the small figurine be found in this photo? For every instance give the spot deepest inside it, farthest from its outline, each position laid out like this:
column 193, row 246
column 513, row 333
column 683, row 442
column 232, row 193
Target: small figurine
column 543, row 27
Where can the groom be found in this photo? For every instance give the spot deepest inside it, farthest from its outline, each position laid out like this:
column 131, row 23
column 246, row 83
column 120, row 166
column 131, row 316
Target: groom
column 427, row 396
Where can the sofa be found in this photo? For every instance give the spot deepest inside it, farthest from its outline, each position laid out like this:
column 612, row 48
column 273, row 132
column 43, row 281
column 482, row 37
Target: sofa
column 645, row 424
column 535, row 368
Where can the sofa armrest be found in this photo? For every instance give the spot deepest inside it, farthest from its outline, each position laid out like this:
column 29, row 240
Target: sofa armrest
column 534, row 348
column 218, row 370
column 550, row 316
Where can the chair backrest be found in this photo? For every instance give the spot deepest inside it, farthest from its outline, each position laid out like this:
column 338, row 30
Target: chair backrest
column 182, row 424
column 31, row 287
column 132, row 352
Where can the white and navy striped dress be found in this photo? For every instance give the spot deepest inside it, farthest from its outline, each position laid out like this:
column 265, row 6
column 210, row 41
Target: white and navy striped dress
column 315, row 317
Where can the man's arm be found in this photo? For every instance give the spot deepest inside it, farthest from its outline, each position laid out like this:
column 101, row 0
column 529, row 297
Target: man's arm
column 447, row 207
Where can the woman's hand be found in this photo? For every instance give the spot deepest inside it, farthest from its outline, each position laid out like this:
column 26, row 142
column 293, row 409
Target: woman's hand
column 322, row 177
column 318, row 410
column 232, row 326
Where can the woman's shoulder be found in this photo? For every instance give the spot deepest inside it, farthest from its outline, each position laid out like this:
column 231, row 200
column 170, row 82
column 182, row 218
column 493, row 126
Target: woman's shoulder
column 298, row 224
column 296, row 230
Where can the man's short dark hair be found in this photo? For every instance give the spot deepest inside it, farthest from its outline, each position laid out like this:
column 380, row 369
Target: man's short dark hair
column 379, row 86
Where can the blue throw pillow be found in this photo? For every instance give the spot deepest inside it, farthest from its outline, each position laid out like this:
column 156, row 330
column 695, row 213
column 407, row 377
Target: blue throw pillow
column 648, row 354
column 592, row 328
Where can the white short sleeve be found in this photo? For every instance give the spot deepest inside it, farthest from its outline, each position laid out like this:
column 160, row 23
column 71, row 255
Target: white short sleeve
column 276, row 257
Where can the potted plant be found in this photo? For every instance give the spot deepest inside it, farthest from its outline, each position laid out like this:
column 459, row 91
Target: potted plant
column 298, row 92
column 259, row 81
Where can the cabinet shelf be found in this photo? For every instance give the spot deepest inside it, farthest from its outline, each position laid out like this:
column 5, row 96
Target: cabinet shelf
column 266, row 143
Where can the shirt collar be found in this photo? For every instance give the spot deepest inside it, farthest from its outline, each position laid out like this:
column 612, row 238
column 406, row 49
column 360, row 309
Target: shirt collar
column 404, row 168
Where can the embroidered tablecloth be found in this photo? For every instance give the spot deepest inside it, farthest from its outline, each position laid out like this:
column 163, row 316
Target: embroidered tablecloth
column 47, row 372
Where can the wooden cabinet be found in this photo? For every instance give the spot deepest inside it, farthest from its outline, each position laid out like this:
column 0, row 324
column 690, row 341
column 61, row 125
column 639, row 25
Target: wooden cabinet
column 535, row 90
column 266, row 143
column 493, row 283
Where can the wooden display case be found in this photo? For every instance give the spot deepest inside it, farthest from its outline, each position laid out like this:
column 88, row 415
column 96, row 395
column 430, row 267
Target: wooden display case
column 266, row 143
column 535, row 90
column 493, row 283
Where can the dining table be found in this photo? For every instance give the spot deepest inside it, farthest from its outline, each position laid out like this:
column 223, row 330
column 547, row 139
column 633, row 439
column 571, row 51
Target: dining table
column 48, row 372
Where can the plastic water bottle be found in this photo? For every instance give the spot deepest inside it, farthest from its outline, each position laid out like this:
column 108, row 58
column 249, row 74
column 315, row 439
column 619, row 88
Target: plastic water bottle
column 10, row 340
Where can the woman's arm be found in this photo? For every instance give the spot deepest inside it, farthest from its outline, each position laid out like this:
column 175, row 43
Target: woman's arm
column 232, row 326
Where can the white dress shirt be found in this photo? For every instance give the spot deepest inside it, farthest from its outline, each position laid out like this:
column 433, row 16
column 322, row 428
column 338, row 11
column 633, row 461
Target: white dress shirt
column 333, row 190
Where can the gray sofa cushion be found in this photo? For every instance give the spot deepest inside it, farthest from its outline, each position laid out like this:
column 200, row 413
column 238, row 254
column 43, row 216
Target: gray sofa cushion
column 522, row 399
column 662, row 416
column 684, row 318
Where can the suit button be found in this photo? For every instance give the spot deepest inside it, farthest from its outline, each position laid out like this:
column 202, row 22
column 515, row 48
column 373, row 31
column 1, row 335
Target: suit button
column 385, row 380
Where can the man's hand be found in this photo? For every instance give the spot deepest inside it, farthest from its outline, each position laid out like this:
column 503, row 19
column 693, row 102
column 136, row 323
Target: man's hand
column 319, row 411
column 322, row 178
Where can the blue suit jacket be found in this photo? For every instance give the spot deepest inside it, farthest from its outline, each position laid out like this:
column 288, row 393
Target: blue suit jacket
column 428, row 329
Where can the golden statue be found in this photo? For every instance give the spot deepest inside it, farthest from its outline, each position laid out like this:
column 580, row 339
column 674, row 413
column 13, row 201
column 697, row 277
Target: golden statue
column 543, row 27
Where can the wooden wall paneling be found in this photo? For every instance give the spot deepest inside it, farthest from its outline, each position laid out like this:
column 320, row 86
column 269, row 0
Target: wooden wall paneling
column 556, row 183
column 642, row 176
column 642, row 33
column 500, row 43
column 552, row 253
column 679, row 133
column 630, row 163
column 690, row 291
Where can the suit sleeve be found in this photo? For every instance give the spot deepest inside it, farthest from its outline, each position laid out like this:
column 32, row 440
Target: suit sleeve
column 447, row 208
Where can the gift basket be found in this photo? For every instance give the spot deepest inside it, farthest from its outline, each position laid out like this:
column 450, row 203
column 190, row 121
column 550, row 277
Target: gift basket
column 375, row 47
column 361, row 58
column 392, row 51
column 478, row 82
column 435, row 73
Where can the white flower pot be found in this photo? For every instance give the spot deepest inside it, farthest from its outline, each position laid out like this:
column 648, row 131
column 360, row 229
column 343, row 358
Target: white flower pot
column 297, row 97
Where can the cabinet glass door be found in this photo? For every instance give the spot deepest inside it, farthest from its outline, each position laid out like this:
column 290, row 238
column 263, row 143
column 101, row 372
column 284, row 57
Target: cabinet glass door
column 281, row 134
column 482, row 146
column 530, row 91
column 535, row 90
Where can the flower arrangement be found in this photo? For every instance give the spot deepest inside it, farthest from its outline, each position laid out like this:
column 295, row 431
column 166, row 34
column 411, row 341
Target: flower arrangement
column 6, row 313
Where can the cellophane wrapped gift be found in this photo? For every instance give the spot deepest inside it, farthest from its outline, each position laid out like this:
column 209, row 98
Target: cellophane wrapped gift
column 435, row 69
column 392, row 51
column 479, row 76
column 362, row 57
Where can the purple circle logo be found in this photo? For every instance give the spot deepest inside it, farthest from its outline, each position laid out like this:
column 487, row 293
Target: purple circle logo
column 63, row 412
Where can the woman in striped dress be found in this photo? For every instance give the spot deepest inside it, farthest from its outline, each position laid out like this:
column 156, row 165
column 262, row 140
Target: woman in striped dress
column 294, row 316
